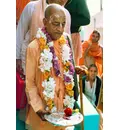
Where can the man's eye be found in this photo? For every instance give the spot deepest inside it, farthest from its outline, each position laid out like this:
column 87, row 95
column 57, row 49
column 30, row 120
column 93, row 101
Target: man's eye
column 63, row 24
column 55, row 24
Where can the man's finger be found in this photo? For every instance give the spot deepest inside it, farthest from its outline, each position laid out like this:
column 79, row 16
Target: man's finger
column 46, row 112
column 42, row 117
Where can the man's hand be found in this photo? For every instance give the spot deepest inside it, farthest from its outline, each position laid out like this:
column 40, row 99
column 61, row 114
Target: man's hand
column 42, row 113
column 81, row 70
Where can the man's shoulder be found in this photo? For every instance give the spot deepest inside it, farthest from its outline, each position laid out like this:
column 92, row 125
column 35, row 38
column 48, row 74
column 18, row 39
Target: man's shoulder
column 33, row 44
column 101, row 46
column 99, row 81
column 30, row 5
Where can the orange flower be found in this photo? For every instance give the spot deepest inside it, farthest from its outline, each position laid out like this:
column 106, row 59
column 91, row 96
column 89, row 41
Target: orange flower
column 70, row 93
column 62, row 40
column 69, row 87
column 46, row 74
column 42, row 43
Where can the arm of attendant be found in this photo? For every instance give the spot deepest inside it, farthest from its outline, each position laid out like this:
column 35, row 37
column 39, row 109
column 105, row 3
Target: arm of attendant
column 31, row 89
column 22, row 28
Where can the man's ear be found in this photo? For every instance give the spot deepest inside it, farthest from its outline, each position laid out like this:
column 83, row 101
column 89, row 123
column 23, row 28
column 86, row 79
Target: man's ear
column 45, row 21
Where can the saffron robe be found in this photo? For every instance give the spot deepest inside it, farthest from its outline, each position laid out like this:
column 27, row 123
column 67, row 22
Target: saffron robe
column 34, row 88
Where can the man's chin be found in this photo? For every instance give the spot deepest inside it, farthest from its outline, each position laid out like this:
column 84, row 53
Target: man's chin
column 93, row 77
column 56, row 37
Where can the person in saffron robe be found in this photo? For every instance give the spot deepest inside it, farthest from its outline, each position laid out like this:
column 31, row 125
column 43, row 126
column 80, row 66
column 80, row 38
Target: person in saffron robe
column 30, row 20
column 92, row 52
column 51, row 82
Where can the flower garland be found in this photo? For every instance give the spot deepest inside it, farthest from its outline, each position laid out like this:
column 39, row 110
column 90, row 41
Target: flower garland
column 48, row 59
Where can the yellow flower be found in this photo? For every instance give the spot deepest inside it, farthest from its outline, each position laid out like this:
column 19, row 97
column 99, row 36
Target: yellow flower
column 46, row 47
column 65, row 68
column 62, row 40
column 69, row 87
column 76, row 110
column 70, row 93
column 67, row 63
column 50, row 106
column 49, row 102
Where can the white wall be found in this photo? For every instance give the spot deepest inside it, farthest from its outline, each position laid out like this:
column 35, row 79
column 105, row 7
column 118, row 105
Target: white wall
column 97, row 25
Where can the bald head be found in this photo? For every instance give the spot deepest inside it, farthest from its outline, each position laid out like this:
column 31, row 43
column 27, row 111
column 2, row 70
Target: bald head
column 54, row 20
column 54, row 9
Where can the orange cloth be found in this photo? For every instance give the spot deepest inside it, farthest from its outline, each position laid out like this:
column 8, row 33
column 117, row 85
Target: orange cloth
column 20, row 4
column 95, row 55
column 37, row 17
column 76, row 42
column 34, row 89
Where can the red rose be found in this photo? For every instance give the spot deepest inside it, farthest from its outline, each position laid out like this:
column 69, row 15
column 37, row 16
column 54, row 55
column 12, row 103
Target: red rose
column 68, row 111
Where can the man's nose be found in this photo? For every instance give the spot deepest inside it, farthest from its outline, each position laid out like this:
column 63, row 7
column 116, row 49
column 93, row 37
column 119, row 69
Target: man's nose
column 60, row 28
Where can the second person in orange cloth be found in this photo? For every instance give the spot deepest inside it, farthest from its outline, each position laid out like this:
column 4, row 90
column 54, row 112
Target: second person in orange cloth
column 92, row 52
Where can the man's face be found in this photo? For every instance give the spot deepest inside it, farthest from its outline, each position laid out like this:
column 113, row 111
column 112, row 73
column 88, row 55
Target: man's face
column 55, row 25
column 60, row 2
column 95, row 37
column 92, row 73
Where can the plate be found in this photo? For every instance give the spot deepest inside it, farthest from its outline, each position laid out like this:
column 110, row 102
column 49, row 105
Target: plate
column 60, row 120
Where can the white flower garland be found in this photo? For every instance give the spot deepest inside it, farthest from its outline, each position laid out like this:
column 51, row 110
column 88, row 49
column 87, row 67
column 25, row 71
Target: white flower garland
column 46, row 64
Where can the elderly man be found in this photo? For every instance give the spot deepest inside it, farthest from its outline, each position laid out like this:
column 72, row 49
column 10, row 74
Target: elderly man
column 51, row 83
column 30, row 20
